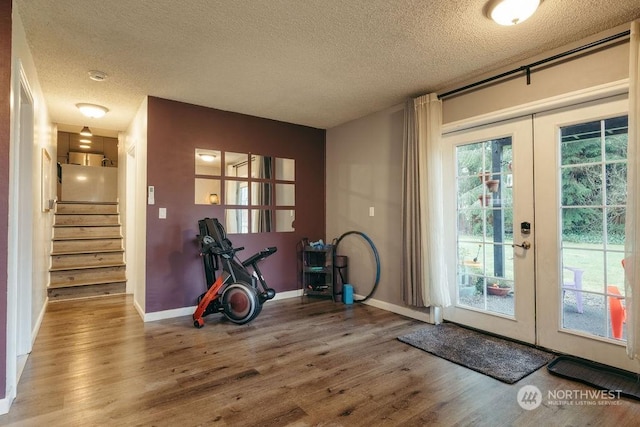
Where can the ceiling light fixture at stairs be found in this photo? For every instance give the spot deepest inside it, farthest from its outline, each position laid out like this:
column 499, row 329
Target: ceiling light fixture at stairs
column 93, row 111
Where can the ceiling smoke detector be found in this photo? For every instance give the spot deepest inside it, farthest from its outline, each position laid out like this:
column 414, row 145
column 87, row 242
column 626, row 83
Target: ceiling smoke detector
column 98, row 76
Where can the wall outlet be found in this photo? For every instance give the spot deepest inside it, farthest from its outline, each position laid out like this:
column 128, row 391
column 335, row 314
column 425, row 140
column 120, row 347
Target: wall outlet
column 162, row 213
column 371, row 211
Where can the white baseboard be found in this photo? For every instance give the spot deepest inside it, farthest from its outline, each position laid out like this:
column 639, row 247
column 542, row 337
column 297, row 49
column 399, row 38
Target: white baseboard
column 22, row 362
column 426, row 315
column 36, row 327
column 169, row 314
column 5, row 405
column 288, row 294
column 138, row 309
column 188, row 311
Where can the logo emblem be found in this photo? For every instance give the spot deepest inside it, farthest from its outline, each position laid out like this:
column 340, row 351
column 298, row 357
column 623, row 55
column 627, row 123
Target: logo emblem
column 529, row 397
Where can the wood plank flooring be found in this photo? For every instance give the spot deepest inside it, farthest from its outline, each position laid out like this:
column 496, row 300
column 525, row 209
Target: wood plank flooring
column 95, row 363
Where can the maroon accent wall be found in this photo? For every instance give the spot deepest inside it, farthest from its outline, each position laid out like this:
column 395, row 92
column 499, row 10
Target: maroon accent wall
column 175, row 273
column 5, row 139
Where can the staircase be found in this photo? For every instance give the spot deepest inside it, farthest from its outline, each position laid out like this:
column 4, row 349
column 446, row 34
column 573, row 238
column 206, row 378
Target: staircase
column 87, row 257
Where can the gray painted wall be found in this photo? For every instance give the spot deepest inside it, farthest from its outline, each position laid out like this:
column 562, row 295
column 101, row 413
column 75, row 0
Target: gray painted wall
column 364, row 156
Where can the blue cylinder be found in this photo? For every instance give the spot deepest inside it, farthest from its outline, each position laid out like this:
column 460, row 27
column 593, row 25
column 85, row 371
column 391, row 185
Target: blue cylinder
column 347, row 294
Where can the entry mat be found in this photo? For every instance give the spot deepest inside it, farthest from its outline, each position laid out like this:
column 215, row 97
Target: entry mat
column 499, row 358
column 597, row 375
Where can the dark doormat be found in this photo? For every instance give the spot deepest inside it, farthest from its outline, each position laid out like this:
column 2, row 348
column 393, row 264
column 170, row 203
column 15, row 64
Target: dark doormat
column 499, row 358
column 600, row 376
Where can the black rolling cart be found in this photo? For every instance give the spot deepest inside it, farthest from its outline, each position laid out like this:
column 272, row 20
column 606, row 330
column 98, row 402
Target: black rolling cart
column 316, row 269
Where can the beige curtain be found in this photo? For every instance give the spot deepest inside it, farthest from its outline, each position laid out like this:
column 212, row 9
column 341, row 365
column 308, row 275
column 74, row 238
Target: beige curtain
column 632, row 222
column 424, row 273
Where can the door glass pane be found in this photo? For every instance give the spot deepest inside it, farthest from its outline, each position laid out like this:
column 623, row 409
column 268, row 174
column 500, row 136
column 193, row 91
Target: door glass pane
column 581, row 143
column 616, row 138
column 616, row 183
column 593, row 197
column 582, row 185
column 485, row 226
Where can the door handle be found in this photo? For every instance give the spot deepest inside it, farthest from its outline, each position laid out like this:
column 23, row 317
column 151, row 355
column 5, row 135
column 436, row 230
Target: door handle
column 525, row 245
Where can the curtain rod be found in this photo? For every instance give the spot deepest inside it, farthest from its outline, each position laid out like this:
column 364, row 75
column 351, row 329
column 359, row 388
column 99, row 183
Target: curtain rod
column 527, row 68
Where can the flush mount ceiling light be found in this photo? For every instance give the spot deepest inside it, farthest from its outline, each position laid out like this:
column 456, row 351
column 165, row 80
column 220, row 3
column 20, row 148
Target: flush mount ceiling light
column 97, row 75
column 92, row 110
column 207, row 157
column 511, row 12
column 86, row 131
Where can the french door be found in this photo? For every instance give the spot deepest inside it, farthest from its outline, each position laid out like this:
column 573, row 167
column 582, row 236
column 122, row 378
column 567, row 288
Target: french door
column 491, row 193
column 580, row 199
column 539, row 236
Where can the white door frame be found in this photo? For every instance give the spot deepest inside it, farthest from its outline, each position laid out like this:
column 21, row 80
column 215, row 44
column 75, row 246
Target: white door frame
column 130, row 217
column 20, row 233
column 549, row 295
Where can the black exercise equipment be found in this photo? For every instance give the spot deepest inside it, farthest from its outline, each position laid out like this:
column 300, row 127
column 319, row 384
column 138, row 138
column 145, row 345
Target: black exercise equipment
column 237, row 293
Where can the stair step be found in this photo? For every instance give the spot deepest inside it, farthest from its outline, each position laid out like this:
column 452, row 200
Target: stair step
column 86, row 208
column 87, row 257
column 86, row 245
column 84, row 283
column 74, row 260
column 88, row 291
column 87, row 276
column 85, row 267
column 86, row 252
column 92, row 232
column 86, row 219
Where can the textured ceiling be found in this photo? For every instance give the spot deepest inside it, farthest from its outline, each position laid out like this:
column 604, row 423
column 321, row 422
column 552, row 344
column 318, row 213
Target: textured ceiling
column 313, row 62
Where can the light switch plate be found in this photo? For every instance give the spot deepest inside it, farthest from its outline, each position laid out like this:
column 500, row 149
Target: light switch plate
column 162, row 213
